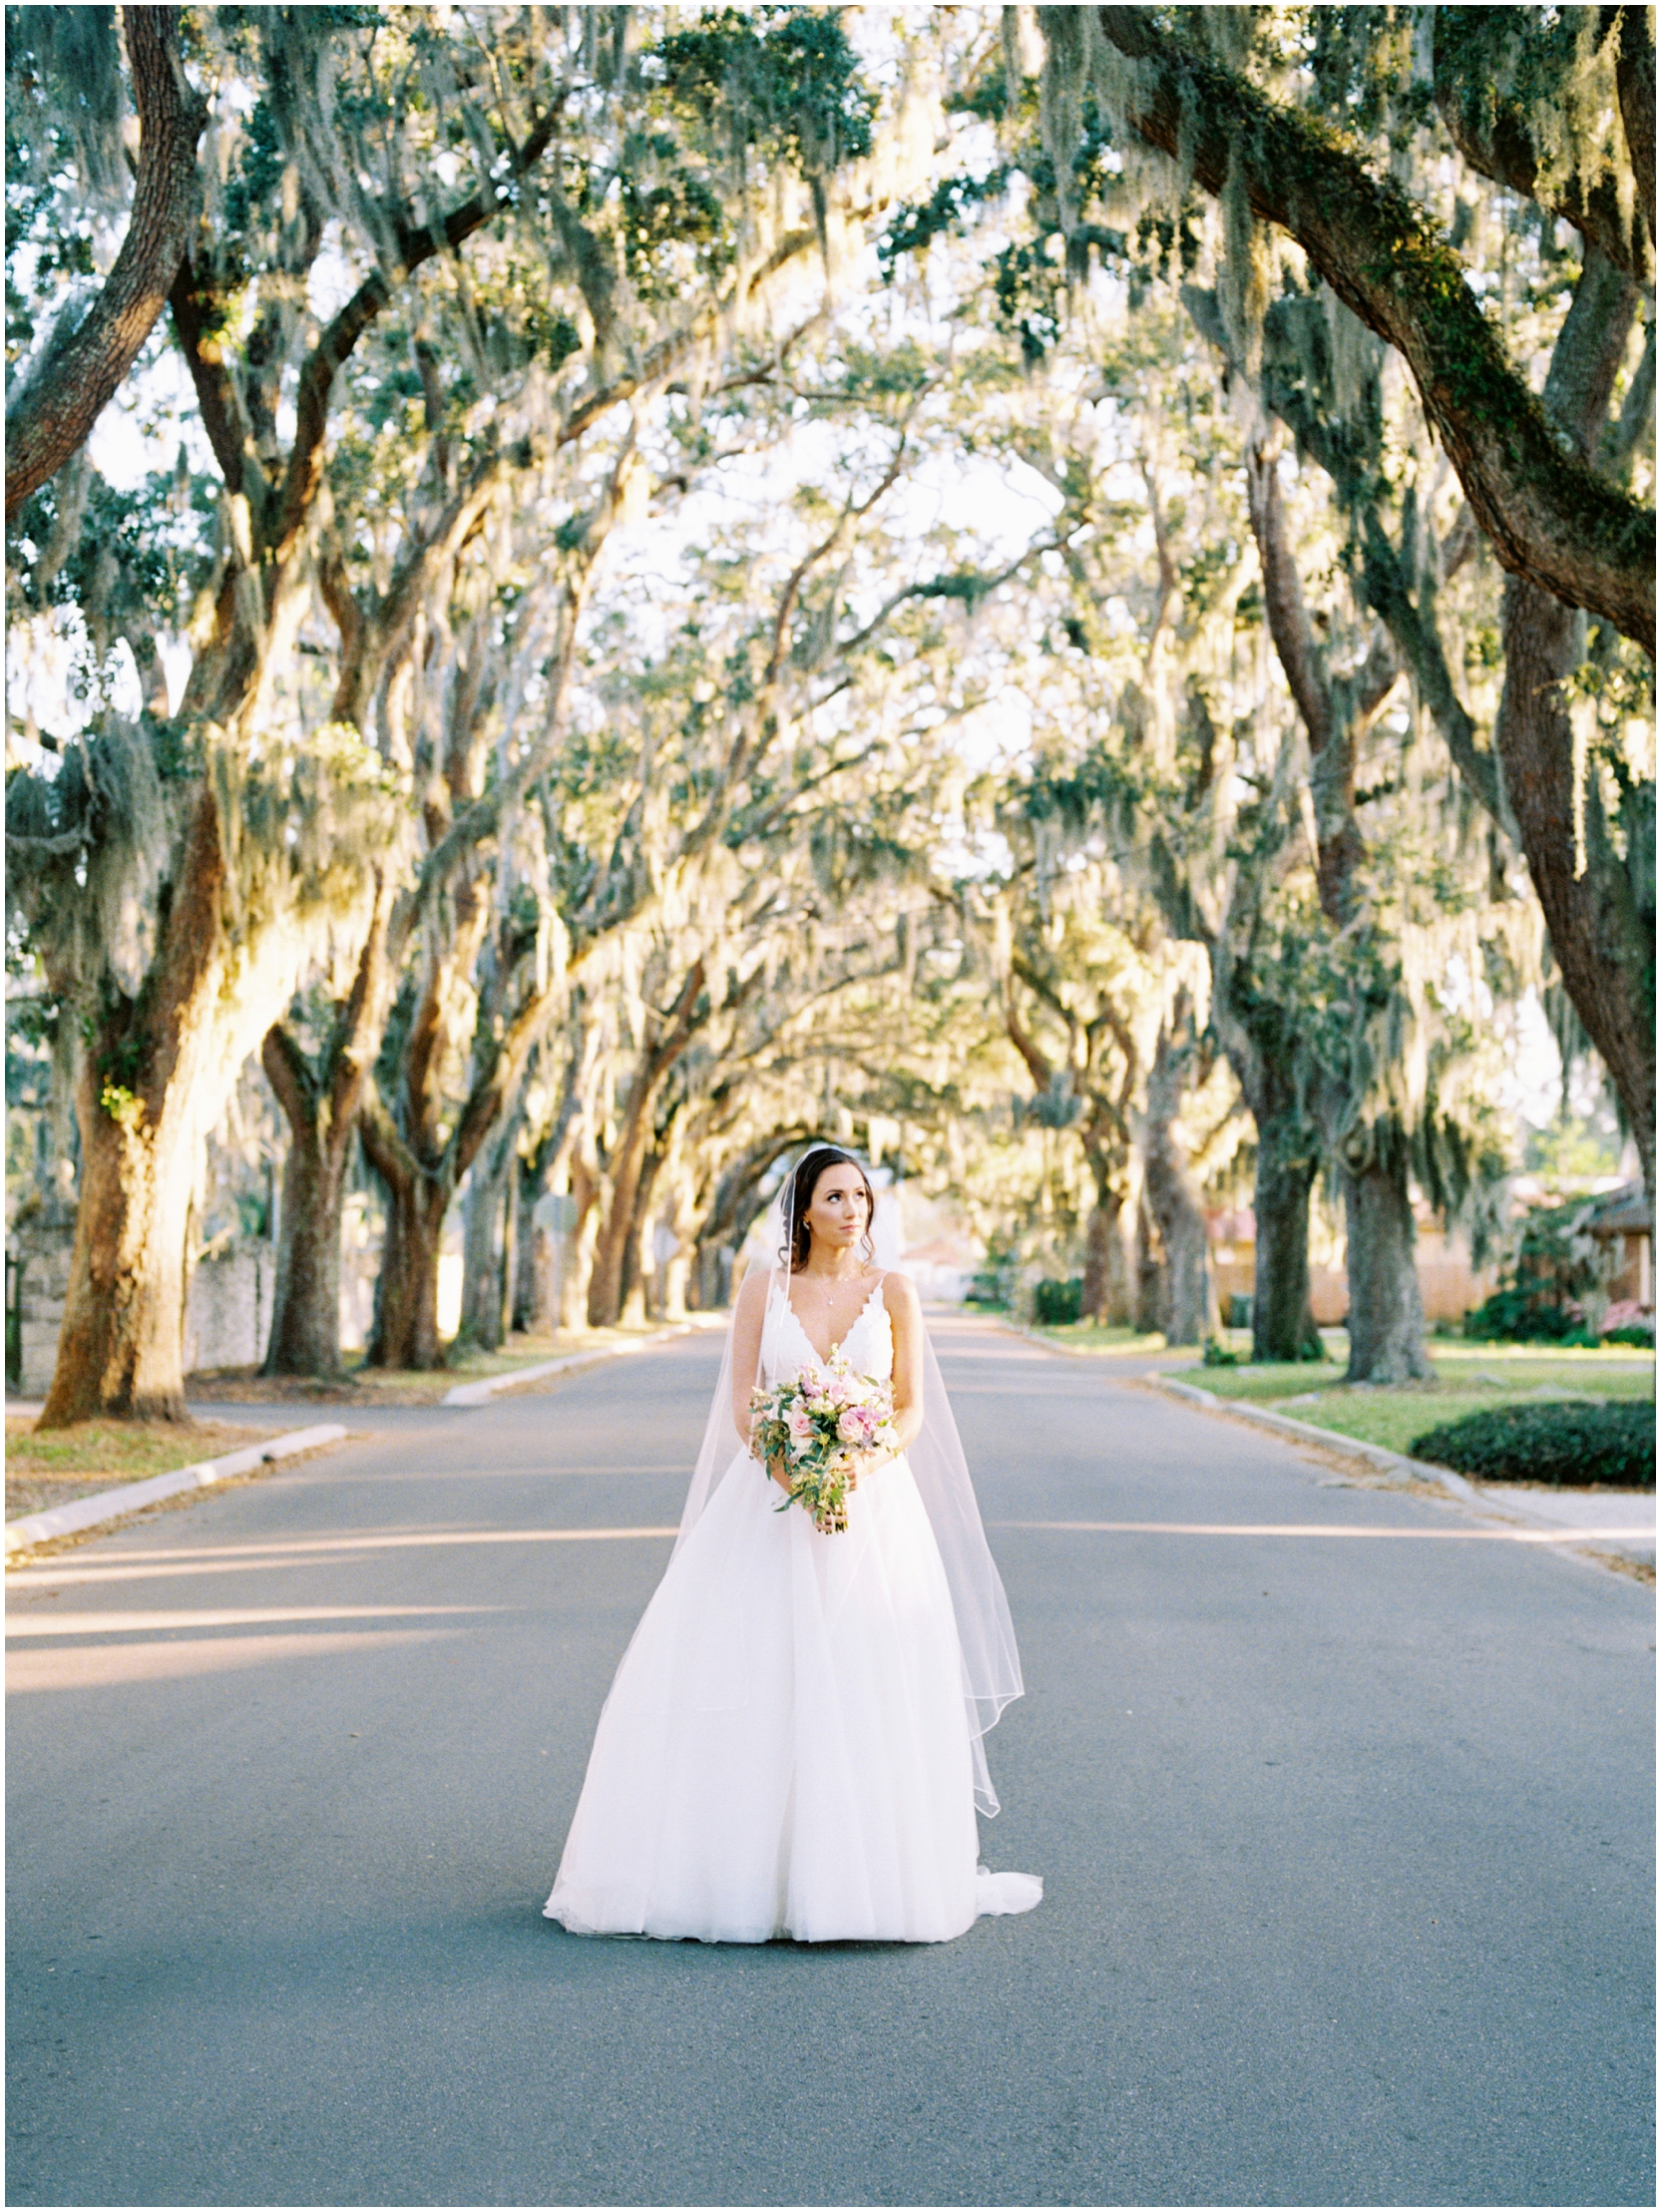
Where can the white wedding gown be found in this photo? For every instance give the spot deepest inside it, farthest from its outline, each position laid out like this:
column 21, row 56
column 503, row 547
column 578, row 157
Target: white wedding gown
column 785, row 1750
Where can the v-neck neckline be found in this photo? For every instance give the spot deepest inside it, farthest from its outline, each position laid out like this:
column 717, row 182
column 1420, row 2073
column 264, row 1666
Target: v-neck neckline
column 825, row 1358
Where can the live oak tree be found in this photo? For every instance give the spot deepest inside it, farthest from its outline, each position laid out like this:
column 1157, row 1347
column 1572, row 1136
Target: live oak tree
column 312, row 123
column 473, row 702
column 1557, row 107
column 701, row 134
column 358, row 154
column 1074, row 989
column 541, row 832
column 1100, row 188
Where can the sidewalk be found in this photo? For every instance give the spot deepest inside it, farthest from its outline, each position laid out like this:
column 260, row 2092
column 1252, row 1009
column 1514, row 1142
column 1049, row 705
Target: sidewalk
column 1613, row 1514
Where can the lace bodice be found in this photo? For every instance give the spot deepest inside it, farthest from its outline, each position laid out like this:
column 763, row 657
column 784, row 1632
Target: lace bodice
column 868, row 1345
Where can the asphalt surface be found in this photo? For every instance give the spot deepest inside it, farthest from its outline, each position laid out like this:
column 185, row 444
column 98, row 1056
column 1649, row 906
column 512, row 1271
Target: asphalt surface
column 1343, row 1801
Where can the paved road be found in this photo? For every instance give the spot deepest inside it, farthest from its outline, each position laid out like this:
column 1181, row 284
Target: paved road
column 1343, row 1806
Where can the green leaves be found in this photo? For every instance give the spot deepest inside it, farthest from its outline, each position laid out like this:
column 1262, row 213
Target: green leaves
column 680, row 209
column 782, row 81
column 916, row 225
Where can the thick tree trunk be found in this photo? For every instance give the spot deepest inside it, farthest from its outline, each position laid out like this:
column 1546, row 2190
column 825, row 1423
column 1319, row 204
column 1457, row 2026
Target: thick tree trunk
column 1153, row 1304
column 485, row 1256
column 1283, row 1326
column 530, row 1301
column 1108, row 1298
column 673, row 1280
column 406, row 1297
column 51, row 418
column 514, row 1229
column 306, row 1312
column 1190, row 1291
column 1191, row 1294
column 153, row 1080
column 616, row 1252
column 639, row 1265
column 1598, row 907
column 609, row 1275
column 580, row 1248
column 1387, row 1313
column 120, row 1350
column 320, row 1104
column 1635, row 90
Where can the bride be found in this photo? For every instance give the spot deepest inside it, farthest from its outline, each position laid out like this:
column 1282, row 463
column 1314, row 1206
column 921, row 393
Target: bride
column 792, row 1743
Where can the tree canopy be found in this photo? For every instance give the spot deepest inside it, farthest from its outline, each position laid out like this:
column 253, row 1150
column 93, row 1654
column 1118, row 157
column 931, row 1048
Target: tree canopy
column 1062, row 593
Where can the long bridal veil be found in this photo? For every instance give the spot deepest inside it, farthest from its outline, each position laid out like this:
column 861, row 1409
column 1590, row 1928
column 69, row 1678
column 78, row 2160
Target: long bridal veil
column 985, row 1634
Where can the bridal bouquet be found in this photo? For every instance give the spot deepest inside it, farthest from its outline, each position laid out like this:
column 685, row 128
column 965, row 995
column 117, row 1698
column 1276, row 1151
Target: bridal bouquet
column 819, row 1425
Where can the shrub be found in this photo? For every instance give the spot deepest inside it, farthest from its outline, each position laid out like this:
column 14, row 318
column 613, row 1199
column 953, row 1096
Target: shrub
column 1520, row 1316
column 1628, row 1322
column 1217, row 1354
column 1055, row 1304
column 1540, row 1294
column 1562, row 1443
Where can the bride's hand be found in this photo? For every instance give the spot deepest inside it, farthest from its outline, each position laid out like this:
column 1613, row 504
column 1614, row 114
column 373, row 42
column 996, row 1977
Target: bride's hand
column 865, row 1463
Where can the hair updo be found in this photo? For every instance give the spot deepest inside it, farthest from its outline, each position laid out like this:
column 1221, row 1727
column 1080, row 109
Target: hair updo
column 798, row 1196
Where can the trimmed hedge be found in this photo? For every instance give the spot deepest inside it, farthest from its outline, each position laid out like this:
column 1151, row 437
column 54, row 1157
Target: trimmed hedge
column 1552, row 1442
column 1056, row 1304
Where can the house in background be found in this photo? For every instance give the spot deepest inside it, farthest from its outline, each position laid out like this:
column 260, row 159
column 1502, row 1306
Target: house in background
column 1448, row 1283
column 1623, row 1222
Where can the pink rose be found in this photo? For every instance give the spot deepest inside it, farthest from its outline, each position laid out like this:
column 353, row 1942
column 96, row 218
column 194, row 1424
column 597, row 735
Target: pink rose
column 854, row 1426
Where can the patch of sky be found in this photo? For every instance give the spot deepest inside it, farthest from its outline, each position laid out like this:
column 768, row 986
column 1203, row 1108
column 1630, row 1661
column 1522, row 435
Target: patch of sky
column 334, row 276
column 1530, row 1086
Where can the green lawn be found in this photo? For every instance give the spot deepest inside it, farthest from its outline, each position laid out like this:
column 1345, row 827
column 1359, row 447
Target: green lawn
column 45, row 1469
column 1085, row 1336
column 1470, row 1378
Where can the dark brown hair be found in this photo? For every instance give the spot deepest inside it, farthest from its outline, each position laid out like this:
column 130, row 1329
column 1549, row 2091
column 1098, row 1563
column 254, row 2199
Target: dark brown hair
column 798, row 1196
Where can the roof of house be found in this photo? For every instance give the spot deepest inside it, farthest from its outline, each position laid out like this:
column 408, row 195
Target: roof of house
column 1623, row 1212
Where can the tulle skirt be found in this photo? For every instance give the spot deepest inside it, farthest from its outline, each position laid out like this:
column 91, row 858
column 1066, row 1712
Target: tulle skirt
column 785, row 1750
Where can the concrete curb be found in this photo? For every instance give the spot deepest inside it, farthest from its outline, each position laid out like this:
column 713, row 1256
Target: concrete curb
column 480, row 1394
column 1393, row 1463
column 1376, row 1454
column 110, row 1504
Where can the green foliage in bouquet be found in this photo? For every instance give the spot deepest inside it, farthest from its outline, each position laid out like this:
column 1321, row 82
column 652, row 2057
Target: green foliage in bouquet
column 820, row 1426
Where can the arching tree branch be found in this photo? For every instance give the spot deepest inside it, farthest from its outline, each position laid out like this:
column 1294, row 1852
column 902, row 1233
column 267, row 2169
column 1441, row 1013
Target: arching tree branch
column 1549, row 514
column 55, row 414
